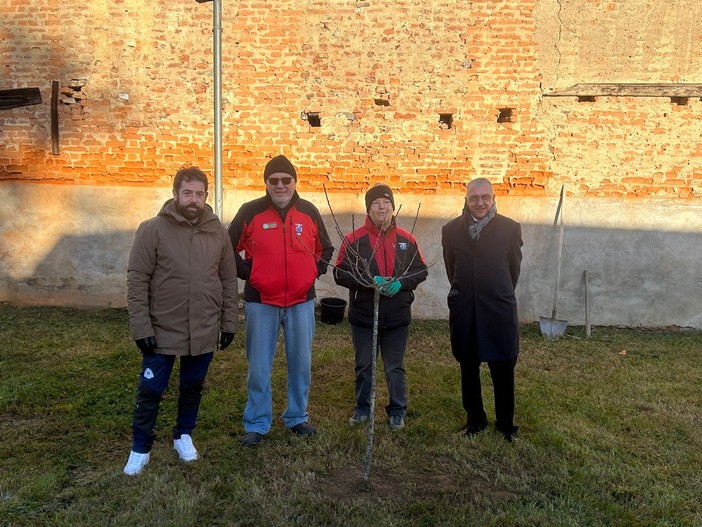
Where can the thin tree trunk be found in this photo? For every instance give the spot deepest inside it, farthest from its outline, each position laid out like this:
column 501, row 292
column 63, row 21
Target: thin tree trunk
column 371, row 417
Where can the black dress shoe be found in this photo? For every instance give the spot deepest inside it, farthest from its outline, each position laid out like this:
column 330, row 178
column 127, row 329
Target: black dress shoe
column 303, row 429
column 251, row 438
column 509, row 433
column 473, row 430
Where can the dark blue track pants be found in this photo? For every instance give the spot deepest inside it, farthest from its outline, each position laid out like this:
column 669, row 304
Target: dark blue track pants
column 153, row 381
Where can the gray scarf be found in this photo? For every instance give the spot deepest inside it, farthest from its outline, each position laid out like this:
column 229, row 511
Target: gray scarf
column 476, row 226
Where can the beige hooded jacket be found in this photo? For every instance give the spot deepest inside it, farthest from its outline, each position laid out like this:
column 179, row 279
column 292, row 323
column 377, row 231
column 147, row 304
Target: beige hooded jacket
column 181, row 283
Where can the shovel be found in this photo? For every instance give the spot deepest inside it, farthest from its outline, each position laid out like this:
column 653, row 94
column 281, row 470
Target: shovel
column 553, row 328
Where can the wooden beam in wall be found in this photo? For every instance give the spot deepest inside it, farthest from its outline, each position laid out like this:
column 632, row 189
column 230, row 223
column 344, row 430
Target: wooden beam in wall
column 16, row 97
column 54, row 118
column 630, row 89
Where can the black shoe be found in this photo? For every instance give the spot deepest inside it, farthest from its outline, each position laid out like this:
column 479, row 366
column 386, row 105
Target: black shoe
column 474, row 430
column 251, row 438
column 303, row 429
column 509, row 433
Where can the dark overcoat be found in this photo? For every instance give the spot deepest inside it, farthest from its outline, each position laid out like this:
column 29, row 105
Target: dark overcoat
column 483, row 274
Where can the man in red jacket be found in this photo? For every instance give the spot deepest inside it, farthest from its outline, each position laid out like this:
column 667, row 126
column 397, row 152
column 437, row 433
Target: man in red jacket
column 380, row 254
column 285, row 248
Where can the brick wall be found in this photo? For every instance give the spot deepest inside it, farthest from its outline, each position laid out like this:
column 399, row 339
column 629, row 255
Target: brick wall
column 409, row 94
column 132, row 100
column 422, row 95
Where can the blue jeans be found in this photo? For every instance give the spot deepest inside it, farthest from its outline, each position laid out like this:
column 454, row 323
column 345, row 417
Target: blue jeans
column 153, row 381
column 263, row 323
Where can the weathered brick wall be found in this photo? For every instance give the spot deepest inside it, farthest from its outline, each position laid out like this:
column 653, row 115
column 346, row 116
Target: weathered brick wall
column 632, row 147
column 628, row 147
column 136, row 93
column 132, row 75
column 380, row 77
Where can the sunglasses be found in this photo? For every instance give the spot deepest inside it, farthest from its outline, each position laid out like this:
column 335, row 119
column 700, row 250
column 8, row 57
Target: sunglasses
column 275, row 180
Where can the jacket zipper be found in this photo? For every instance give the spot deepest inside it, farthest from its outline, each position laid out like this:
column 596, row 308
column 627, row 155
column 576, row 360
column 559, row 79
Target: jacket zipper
column 285, row 260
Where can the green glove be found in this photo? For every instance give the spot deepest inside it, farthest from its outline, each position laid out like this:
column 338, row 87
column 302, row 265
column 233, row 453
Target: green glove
column 392, row 288
column 379, row 280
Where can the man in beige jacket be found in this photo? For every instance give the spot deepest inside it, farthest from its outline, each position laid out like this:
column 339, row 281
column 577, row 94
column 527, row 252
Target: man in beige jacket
column 182, row 301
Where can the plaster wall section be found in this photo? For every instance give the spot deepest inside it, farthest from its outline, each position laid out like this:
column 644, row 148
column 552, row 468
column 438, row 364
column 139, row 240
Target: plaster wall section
column 71, row 246
column 617, row 41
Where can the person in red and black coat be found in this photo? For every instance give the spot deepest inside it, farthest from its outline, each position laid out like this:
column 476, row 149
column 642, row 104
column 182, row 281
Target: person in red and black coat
column 380, row 253
column 281, row 247
column 482, row 253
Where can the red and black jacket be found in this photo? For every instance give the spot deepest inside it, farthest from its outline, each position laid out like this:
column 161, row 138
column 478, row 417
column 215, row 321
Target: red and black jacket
column 284, row 250
column 367, row 252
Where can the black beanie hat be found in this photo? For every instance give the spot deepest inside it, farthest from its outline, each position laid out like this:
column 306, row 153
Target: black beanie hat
column 379, row 191
column 279, row 164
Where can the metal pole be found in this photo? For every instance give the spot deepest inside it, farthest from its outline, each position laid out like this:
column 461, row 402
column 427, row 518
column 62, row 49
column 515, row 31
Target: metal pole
column 217, row 51
column 588, row 332
column 217, row 22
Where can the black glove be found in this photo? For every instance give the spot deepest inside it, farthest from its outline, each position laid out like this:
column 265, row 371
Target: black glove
column 225, row 339
column 147, row 345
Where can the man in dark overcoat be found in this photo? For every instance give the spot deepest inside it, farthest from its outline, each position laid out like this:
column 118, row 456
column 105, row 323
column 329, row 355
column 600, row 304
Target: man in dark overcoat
column 482, row 253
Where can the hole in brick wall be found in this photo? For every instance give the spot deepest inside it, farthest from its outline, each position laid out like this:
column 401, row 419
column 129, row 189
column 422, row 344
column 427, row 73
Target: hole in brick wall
column 505, row 115
column 446, row 120
column 381, row 102
column 680, row 101
column 586, row 98
column 312, row 118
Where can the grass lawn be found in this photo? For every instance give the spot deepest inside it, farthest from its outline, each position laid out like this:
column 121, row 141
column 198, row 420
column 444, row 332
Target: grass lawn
column 610, row 435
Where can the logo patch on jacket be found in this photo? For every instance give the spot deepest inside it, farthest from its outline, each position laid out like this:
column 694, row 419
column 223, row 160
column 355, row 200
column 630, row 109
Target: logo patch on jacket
column 267, row 226
column 298, row 229
column 403, row 246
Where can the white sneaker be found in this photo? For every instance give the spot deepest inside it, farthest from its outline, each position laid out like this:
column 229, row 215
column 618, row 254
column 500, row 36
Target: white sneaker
column 185, row 448
column 136, row 463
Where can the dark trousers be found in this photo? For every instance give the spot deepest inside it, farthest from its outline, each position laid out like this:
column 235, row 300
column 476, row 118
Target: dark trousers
column 153, row 381
column 502, row 373
column 392, row 344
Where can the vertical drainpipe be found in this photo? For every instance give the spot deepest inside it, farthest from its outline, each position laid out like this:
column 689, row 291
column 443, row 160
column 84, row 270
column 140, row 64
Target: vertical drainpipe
column 217, row 22
column 217, row 50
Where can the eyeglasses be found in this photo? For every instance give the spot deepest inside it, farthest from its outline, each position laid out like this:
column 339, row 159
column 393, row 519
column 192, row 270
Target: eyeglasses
column 275, row 180
column 486, row 198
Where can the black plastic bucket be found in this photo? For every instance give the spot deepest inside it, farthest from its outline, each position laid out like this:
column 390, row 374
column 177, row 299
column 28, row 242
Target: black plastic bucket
column 332, row 310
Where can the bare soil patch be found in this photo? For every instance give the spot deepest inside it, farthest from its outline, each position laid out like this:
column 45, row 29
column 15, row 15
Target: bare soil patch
column 347, row 484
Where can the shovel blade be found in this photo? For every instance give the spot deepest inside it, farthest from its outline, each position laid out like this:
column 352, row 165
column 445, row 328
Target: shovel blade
column 552, row 328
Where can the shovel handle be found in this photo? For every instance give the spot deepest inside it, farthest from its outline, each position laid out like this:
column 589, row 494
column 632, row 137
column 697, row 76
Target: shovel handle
column 559, row 213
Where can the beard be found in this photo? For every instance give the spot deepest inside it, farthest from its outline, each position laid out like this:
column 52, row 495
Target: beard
column 190, row 212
